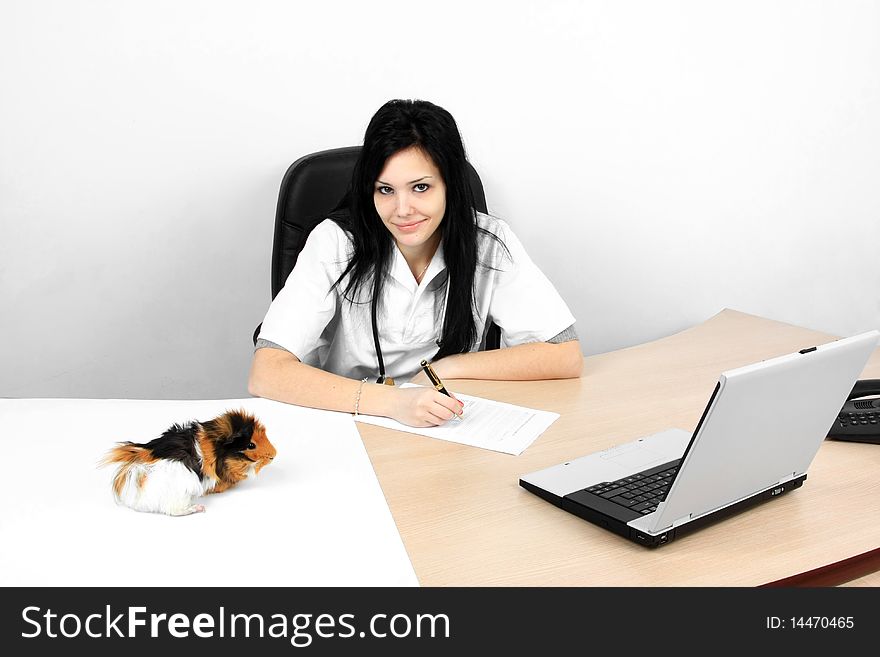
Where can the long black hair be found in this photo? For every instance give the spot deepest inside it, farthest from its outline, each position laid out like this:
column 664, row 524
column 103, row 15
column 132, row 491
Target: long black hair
column 398, row 125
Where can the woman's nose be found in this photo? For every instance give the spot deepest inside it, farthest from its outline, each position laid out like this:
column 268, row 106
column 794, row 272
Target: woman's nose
column 403, row 205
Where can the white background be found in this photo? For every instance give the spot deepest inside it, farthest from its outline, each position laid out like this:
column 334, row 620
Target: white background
column 660, row 161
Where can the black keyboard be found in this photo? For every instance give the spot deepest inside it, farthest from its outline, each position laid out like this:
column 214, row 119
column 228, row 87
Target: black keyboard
column 641, row 492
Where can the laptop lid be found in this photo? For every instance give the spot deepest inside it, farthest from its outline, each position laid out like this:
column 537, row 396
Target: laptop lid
column 763, row 426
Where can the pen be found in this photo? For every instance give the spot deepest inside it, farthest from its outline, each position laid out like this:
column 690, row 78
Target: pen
column 435, row 381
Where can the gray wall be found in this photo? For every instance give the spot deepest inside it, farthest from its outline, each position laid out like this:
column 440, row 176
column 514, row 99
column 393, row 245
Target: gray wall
column 660, row 160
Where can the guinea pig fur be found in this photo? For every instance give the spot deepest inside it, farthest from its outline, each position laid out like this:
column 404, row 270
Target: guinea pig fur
column 189, row 460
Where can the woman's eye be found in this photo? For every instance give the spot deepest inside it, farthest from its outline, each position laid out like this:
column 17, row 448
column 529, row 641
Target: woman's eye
column 251, row 446
column 384, row 190
column 421, row 187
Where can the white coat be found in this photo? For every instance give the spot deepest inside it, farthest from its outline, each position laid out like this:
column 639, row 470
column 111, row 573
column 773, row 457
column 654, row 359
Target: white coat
column 320, row 327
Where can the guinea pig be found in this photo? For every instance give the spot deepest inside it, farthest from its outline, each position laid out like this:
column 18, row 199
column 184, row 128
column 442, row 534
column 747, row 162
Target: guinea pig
column 189, row 460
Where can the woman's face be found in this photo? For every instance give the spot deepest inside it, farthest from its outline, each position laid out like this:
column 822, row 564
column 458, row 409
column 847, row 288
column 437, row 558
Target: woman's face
column 410, row 197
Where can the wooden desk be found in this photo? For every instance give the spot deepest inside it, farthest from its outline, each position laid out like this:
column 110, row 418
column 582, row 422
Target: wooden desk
column 466, row 521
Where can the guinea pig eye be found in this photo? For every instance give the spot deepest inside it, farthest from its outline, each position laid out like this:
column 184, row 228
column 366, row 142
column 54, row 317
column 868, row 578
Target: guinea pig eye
column 251, row 446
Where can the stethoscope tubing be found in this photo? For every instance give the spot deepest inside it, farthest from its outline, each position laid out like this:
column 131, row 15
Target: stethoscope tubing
column 373, row 311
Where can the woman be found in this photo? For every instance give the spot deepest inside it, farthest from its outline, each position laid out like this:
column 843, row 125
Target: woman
column 406, row 270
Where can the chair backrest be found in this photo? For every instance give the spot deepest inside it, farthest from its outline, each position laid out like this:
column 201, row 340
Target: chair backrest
column 312, row 187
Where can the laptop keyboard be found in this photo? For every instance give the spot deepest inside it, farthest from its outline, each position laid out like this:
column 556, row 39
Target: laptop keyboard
column 640, row 492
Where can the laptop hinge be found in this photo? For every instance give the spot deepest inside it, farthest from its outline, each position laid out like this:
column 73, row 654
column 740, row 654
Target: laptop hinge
column 777, row 488
column 682, row 520
column 678, row 522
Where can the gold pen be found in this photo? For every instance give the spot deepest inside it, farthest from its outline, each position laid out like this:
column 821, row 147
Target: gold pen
column 436, row 382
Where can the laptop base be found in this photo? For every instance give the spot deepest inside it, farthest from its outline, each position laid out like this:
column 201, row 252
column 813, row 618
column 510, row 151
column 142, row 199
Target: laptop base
column 615, row 519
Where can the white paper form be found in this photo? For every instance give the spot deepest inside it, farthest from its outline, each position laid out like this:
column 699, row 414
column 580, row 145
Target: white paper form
column 485, row 423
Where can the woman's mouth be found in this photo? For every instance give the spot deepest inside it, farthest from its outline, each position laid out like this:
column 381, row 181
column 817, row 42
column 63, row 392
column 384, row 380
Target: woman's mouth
column 410, row 227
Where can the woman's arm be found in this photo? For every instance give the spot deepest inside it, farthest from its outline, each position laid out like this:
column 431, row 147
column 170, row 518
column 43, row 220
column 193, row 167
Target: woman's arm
column 525, row 362
column 279, row 375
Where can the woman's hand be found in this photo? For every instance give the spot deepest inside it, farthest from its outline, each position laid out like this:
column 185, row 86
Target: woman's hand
column 423, row 407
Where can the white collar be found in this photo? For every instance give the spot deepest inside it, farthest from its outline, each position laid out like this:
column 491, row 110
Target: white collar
column 401, row 272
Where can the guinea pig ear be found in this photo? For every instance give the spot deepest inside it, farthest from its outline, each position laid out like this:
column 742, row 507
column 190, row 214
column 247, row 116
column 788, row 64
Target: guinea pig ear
column 238, row 440
column 229, row 431
column 240, row 429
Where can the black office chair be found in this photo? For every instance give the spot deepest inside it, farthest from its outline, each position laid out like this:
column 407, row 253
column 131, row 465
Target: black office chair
column 311, row 188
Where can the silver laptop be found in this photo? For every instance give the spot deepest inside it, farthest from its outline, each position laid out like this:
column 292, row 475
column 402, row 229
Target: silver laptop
column 758, row 435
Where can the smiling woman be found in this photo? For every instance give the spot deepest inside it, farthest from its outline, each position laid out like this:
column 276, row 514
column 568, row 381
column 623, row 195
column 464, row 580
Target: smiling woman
column 406, row 270
column 412, row 209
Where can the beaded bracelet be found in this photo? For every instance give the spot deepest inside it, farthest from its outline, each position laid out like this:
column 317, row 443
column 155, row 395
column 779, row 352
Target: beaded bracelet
column 357, row 402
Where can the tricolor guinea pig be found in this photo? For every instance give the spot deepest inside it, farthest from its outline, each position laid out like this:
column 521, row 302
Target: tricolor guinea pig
column 189, row 460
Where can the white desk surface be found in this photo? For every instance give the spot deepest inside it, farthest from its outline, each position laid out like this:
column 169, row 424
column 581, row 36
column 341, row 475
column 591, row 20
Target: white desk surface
column 316, row 516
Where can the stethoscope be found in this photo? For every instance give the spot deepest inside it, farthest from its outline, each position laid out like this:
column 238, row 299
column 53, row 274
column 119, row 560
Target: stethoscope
column 387, row 380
